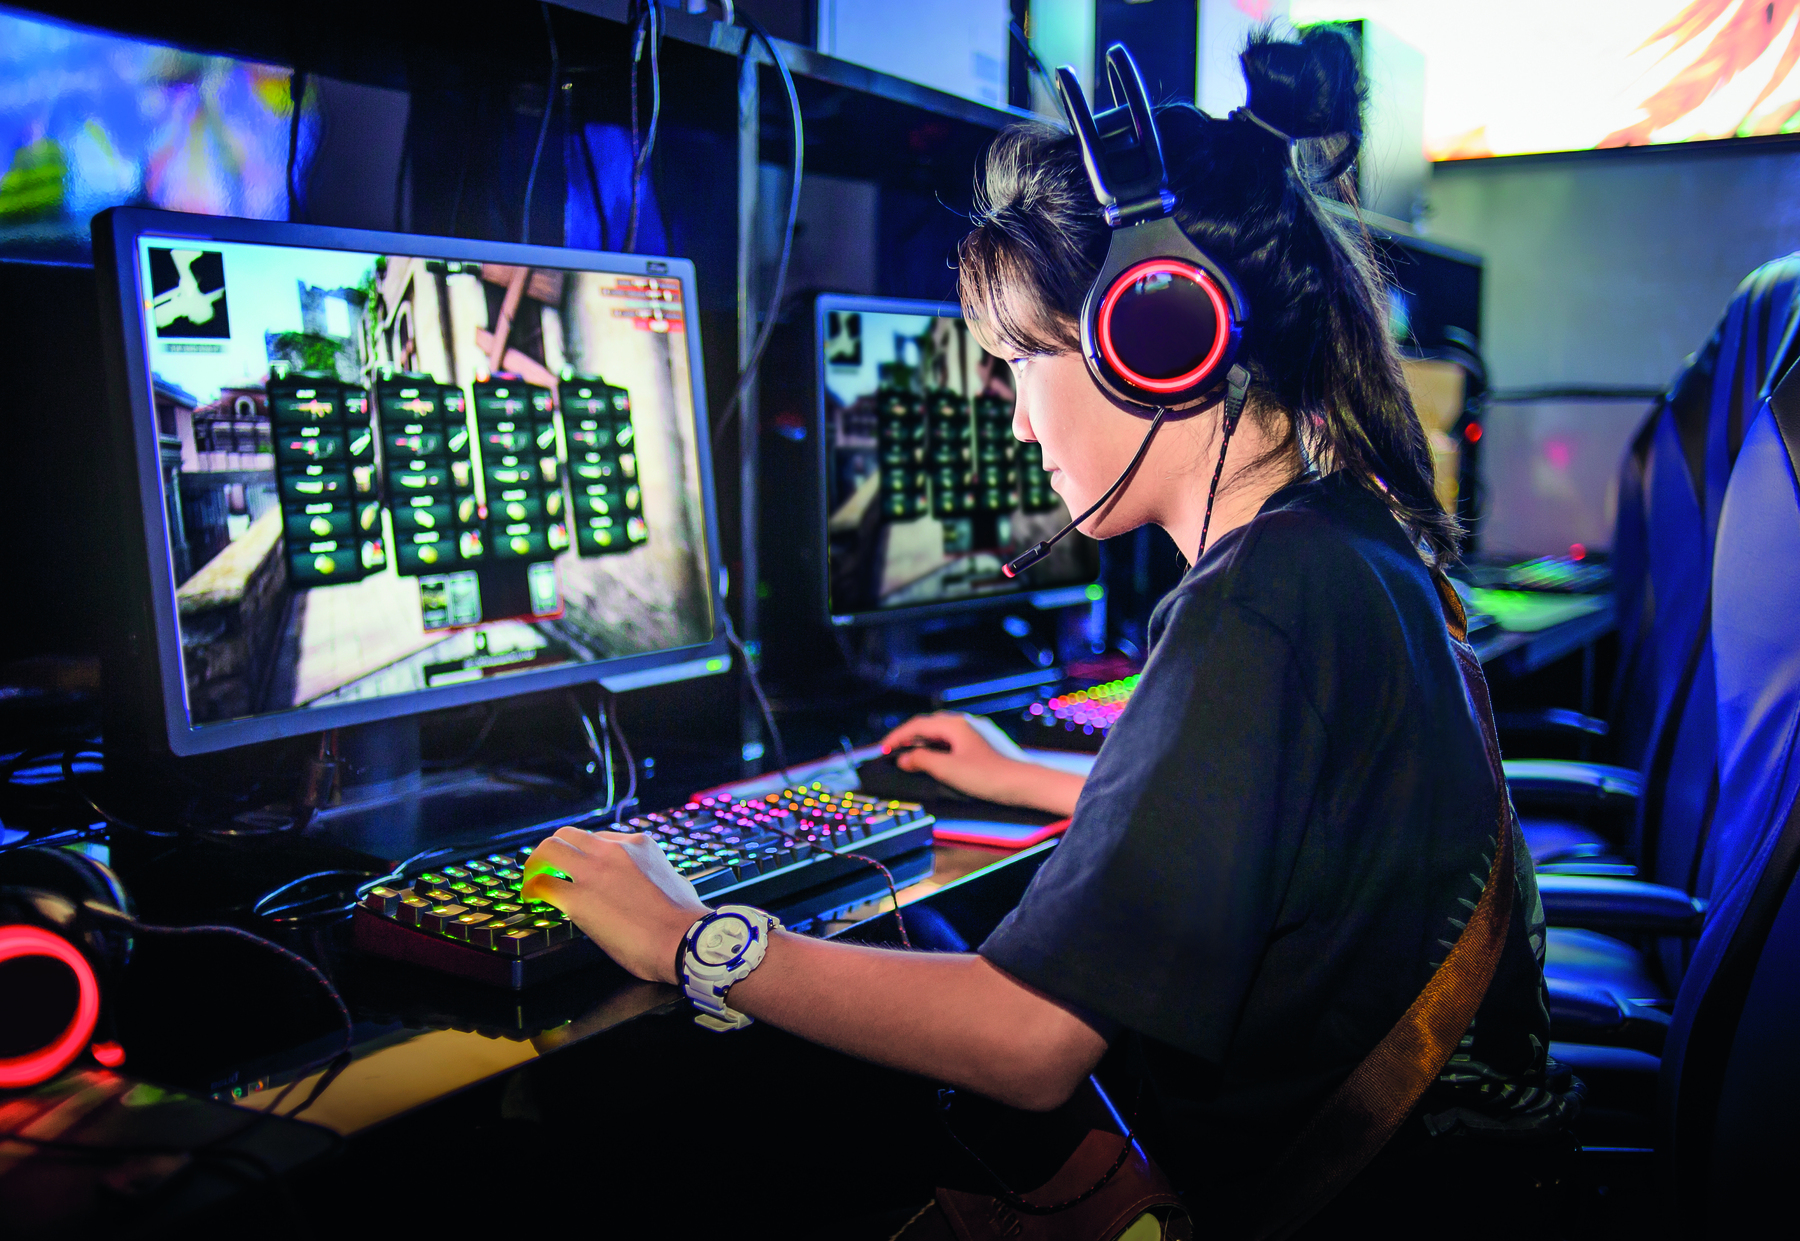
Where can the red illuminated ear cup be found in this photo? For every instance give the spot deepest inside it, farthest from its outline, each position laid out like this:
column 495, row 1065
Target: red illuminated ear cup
column 1165, row 327
column 49, row 1003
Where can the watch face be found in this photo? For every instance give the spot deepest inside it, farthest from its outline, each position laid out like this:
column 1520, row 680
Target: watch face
column 722, row 940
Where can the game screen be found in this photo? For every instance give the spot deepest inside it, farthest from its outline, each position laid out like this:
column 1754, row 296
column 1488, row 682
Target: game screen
column 385, row 473
column 1547, row 75
column 927, row 492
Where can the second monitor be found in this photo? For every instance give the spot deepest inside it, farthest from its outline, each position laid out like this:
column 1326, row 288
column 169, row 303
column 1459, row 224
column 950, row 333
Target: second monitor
column 926, row 491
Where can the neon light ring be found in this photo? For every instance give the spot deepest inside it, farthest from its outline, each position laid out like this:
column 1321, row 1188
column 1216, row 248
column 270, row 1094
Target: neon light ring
column 47, row 1061
column 1164, row 267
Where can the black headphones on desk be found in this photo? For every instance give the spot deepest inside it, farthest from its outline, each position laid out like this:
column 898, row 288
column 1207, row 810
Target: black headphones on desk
column 59, row 964
column 1162, row 323
column 66, row 929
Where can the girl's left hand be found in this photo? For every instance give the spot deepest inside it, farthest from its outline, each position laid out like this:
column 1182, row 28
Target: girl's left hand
column 621, row 890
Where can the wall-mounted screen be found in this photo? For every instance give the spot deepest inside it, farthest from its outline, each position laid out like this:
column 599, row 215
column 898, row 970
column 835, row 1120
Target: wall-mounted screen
column 1532, row 76
column 90, row 120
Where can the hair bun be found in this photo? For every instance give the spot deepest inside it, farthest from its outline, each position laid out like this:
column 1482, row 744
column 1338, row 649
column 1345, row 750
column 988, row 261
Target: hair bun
column 1308, row 86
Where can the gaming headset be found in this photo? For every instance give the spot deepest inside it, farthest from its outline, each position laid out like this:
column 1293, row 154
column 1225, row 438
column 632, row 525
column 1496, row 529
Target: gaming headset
column 66, row 929
column 1161, row 324
column 60, row 960
column 1163, row 321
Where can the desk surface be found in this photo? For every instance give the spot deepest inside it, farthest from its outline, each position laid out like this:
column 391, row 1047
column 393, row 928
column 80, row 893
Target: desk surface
column 398, row 1070
column 422, row 1040
column 452, row 1035
column 1543, row 628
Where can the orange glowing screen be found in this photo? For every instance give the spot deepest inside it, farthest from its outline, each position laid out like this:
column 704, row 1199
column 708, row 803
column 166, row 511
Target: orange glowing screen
column 1545, row 75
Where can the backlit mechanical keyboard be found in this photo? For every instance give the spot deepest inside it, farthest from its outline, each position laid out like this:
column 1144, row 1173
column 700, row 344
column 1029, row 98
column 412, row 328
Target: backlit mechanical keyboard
column 1078, row 720
column 1559, row 574
column 468, row 917
column 1546, row 574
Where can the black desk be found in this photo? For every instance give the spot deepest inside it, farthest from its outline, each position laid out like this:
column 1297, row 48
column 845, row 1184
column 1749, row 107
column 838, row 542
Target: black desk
column 429, row 1037
column 439, row 1071
column 1511, row 654
column 449, row 1082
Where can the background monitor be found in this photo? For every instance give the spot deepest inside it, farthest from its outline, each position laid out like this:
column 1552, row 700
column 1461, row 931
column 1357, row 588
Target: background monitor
column 380, row 474
column 90, row 119
column 1544, row 75
column 1550, row 473
column 1434, row 316
column 926, row 491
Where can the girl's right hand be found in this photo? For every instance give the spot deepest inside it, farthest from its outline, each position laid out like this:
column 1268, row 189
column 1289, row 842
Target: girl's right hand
column 971, row 755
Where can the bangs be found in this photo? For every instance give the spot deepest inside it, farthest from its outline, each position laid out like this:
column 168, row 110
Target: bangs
column 1038, row 240
column 1005, row 304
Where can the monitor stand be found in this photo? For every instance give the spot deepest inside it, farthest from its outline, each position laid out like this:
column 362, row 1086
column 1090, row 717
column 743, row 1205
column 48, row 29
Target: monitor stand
column 389, row 808
column 989, row 689
column 966, row 668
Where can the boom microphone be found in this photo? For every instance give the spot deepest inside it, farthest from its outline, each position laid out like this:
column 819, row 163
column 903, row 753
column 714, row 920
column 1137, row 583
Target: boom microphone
column 1020, row 563
column 1237, row 384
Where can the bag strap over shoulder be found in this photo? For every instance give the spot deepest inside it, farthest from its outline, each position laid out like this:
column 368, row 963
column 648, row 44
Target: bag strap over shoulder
column 1352, row 1126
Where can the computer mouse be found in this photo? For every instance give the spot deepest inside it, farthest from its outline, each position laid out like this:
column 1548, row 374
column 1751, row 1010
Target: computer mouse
column 882, row 778
column 923, row 743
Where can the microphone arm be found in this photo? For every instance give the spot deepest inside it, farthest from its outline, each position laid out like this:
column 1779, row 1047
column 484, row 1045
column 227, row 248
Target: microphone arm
column 1023, row 562
column 1237, row 384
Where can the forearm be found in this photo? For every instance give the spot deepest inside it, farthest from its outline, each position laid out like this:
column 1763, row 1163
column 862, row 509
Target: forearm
column 1042, row 788
column 951, row 1017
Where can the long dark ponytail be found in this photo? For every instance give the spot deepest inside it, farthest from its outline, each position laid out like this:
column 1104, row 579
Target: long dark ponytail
column 1320, row 359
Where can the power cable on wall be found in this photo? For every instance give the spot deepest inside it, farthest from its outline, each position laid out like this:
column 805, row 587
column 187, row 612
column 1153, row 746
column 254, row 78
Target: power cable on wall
column 647, row 31
column 779, row 289
column 537, row 153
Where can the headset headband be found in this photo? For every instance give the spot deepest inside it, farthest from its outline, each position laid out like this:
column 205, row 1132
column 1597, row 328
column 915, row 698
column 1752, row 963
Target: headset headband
column 1120, row 147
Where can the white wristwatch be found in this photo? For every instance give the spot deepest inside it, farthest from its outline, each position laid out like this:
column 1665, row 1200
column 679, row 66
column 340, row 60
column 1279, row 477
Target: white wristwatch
column 718, row 951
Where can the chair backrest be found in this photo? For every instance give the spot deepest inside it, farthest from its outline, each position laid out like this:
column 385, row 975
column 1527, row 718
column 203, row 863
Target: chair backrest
column 1678, row 751
column 1633, row 702
column 1730, row 1080
column 1757, row 324
column 1693, row 444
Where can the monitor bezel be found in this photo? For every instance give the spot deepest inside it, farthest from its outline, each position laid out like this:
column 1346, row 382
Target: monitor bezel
column 116, row 235
column 1043, row 599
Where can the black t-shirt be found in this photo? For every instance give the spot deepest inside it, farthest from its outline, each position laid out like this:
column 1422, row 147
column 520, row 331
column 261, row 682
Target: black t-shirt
column 1281, row 837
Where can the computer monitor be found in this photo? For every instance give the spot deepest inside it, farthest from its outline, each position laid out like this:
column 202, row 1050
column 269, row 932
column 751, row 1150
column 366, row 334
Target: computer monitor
column 926, row 491
column 1550, row 472
column 1434, row 316
column 369, row 475
column 1433, row 290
